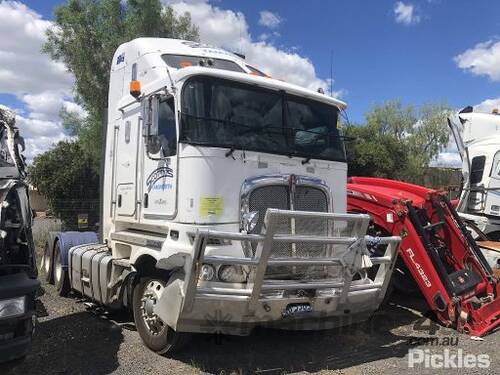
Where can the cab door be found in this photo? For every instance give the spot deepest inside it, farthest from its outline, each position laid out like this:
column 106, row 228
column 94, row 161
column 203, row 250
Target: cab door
column 159, row 181
column 127, row 139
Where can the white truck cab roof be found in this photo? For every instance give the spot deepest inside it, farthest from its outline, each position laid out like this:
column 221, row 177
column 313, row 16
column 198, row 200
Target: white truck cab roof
column 157, row 62
column 479, row 127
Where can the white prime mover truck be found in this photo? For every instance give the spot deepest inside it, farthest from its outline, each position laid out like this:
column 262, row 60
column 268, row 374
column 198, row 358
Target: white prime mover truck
column 223, row 203
column 477, row 136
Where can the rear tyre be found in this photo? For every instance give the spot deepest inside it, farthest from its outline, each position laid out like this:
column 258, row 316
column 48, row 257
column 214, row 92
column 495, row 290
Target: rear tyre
column 155, row 334
column 45, row 264
column 61, row 278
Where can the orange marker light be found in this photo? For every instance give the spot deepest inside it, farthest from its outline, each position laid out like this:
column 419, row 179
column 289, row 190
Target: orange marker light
column 185, row 64
column 135, row 88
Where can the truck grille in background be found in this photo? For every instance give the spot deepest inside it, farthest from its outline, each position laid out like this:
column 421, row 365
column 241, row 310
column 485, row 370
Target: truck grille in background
column 305, row 198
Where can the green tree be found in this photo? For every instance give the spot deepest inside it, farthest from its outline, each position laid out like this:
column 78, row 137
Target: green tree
column 398, row 141
column 64, row 175
column 85, row 35
column 372, row 153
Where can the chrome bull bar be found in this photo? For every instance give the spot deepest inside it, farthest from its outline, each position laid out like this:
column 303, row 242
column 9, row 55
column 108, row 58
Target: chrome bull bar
column 351, row 261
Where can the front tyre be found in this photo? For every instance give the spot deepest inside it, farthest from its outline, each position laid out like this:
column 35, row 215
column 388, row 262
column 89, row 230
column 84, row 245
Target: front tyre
column 155, row 334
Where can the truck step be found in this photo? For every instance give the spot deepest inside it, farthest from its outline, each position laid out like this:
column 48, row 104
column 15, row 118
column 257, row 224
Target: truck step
column 125, row 263
column 139, row 238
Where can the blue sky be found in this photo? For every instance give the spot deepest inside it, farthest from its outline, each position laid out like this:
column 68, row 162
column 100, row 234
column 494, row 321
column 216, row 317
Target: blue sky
column 376, row 58
column 381, row 49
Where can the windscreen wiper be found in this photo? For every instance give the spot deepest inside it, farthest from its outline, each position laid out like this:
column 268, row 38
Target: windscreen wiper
column 230, row 152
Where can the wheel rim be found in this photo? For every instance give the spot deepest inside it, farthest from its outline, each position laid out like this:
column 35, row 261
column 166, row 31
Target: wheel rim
column 150, row 296
column 58, row 269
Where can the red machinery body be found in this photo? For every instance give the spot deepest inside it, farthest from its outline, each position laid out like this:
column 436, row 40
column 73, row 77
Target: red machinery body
column 441, row 255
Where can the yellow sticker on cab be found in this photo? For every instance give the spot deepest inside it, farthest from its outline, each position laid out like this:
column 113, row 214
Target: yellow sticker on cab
column 211, row 206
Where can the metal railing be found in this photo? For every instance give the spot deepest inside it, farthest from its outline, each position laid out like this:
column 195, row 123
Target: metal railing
column 349, row 260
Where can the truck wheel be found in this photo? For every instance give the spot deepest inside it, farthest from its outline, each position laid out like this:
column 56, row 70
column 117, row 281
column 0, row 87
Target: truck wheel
column 155, row 334
column 45, row 265
column 61, row 279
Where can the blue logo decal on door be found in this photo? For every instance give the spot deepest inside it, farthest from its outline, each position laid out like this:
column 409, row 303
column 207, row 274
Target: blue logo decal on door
column 158, row 174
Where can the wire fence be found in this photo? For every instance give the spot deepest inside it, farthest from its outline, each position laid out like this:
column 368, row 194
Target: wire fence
column 70, row 214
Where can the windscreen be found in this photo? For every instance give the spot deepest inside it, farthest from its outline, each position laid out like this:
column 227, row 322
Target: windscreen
column 223, row 113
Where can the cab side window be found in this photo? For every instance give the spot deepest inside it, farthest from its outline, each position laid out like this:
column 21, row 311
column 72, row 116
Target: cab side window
column 167, row 132
column 477, row 169
column 495, row 169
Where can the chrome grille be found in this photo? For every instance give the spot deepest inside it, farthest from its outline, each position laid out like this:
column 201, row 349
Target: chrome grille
column 304, row 198
column 262, row 198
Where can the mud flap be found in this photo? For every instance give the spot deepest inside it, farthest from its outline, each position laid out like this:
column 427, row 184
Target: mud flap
column 169, row 306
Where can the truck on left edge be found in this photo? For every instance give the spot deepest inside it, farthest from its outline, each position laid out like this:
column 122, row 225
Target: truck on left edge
column 18, row 271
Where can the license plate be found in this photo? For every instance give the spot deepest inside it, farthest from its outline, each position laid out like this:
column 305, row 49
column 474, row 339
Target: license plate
column 295, row 309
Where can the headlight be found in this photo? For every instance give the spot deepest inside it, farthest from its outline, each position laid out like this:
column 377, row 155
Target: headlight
column 12, row 307
column 232, row 274
column 207, row 272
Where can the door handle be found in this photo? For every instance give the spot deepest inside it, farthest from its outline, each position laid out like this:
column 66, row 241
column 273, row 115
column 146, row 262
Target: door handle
column 119, row 200
column 146, row 200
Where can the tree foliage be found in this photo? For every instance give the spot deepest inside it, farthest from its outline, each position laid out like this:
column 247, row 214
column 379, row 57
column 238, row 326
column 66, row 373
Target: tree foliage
column 398, row 141
column 64, row 175
column 85, row 35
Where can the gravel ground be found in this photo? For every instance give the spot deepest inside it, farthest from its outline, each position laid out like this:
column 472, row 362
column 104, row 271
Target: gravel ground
column 72, row 339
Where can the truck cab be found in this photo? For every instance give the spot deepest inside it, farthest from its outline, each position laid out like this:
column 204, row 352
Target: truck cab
column 478, row 139
column 477, row 136
column 224, row 195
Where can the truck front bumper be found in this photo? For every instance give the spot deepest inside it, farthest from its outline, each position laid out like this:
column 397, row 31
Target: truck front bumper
column 360, row 284
column 16, row 329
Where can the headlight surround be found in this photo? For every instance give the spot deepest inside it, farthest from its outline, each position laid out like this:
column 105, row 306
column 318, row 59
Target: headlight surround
column 12, row 307
column 250, row 220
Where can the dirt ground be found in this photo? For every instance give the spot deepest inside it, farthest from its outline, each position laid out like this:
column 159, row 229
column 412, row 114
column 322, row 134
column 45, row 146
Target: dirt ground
column 70, row 338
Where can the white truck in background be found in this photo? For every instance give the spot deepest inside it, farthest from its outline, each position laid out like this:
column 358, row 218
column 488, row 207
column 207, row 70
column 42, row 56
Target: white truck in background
column 223, row 203
column 477, row 136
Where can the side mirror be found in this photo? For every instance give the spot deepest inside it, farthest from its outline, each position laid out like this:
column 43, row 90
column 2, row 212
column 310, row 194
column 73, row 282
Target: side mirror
column 150, row 127
column 153, row 140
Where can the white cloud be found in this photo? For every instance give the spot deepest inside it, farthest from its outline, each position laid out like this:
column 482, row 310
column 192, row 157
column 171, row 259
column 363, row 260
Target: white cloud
column 406, row 14
column 482, row 59
column 23, row 68
column 229, row 29
column 487, row 105
column 269, row 19
column 42, row 85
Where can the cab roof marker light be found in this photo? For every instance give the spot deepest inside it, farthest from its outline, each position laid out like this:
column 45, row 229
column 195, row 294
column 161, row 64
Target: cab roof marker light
column 135, row 88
